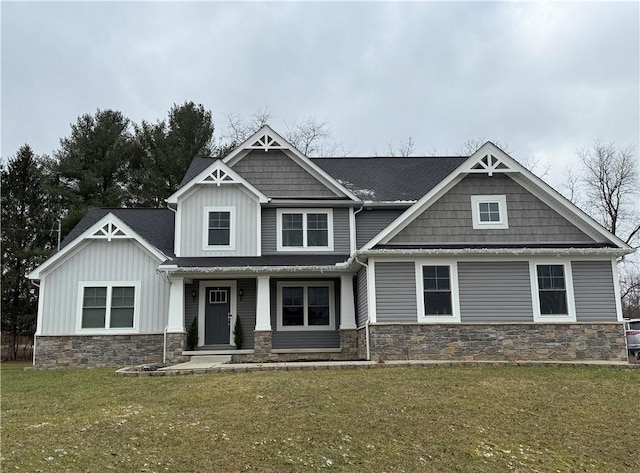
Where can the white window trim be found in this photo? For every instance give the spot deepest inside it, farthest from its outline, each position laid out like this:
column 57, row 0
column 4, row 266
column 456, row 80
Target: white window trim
column 232, row 229
column 304, row 212
column 109, row 285
column 535, row 298
column 501, row 200
column 305, row 328
column 455, row 293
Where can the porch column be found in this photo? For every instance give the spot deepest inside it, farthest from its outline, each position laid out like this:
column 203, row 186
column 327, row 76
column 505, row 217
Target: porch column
column 263, row 305
column 176, row 305
column 347, row 304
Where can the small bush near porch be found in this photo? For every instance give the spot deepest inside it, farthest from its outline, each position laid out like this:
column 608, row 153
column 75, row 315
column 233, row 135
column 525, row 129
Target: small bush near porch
column 484, row 419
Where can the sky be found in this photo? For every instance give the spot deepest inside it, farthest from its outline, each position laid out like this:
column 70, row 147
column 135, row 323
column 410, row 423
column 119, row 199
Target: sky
column 541, row 78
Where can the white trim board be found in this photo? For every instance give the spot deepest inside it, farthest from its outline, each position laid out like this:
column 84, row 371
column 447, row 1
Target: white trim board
column 89, row 234
column 504, row 164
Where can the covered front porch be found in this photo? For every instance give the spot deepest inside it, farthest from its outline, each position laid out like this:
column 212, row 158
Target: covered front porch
column 265, row 317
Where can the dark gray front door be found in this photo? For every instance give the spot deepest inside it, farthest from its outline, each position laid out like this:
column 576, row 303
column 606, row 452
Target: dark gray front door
column 216, row 316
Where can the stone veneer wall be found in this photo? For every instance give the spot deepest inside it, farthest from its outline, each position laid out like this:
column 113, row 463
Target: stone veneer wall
column 106, row 350
column 511, row 342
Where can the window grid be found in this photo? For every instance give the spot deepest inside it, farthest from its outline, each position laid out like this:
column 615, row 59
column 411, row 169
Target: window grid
column 437, row 290
column 489, row 211
column 552, row 292
column 219, row 228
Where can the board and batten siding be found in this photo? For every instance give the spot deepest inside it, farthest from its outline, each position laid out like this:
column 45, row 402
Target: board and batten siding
column 370, row 222
column 192, row 220
column 495, row 292
column 362, row 312
column 341, row 244
column 594, row 291
column 277, row 175
column 101, row 260
column 396, row 292
column 449, row 219
column 304, row 339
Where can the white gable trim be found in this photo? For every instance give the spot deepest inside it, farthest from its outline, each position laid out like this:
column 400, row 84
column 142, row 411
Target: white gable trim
column 217, row 173
column 266, row 139
column 108, row 227
column 490, row 159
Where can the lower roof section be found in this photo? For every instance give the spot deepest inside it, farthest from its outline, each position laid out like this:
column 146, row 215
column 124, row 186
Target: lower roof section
column 330, row 262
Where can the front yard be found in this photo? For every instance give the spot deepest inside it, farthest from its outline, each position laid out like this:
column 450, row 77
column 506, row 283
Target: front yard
column 493, row 418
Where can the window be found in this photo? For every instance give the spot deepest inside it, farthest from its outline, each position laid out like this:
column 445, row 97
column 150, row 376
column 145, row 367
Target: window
column 552, row 291
column 219, row 231
column 305, row 306
column 108, row 306
column 489, row 212
column 305, row 230
column 437, row 290
column 219, row 228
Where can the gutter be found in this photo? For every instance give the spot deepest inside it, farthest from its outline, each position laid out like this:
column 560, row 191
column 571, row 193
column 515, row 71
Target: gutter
column 609, row 252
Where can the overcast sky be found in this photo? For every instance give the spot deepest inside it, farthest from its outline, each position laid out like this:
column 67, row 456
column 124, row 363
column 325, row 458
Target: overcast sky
column 542, row 78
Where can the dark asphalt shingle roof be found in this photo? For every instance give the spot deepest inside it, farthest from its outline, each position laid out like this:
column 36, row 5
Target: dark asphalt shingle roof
column 154, row 225
column 267, row 260
column 390, row 179
column 377, row 179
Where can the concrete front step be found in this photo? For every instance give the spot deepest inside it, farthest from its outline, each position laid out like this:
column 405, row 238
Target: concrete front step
column 210, row 358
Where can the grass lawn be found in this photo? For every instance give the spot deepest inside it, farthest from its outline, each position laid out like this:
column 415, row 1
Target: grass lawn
column 467, row 419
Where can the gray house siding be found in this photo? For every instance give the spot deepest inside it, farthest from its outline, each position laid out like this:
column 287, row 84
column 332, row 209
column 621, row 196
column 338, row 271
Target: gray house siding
column 341, row 243
column 193, row 220
column 593, row 291
column 362, row 309
column 304, row 339
column 530, row 220
column 370, row 222
column 101, row 260
column 396, row 292
column 495, row 292
column 277, row 175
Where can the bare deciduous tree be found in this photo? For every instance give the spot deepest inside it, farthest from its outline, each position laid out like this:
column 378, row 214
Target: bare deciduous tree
column 239, row 128
column 610, row 188
column 308, row 135
column 405, row 149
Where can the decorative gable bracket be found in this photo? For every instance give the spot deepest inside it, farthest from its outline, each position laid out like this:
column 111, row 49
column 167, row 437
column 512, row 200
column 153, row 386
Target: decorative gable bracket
column 489, row 164
column 219, row 176
column 109, row 232
column 266, row 142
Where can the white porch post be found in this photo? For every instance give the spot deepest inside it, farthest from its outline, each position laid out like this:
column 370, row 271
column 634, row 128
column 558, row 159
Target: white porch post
column 347, row 304
column 263, row 305
column 176, row 305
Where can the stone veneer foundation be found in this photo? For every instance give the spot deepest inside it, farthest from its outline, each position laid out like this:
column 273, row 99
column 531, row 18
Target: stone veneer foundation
column 106, row 350
column 511, row 342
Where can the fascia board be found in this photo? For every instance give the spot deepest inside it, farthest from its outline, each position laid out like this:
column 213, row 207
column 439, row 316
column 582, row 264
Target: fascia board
column 87, row 234
column 299, row 158
column 217, row 164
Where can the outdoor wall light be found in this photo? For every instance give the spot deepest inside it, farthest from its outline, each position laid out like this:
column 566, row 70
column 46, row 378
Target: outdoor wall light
column 194, row 294
column 240, row 292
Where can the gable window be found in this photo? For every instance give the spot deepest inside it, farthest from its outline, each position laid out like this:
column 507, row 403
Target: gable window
column 305, row 306
column 108, row 306
column 437, row 290
column 489, row 212
column 219, row 228
column 305, row 230
column 552, row 291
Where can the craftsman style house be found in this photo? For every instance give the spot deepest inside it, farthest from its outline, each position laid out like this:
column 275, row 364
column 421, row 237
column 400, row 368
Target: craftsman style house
column 336, row 259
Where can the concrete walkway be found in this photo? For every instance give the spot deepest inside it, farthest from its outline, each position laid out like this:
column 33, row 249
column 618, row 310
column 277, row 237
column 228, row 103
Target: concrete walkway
column 198, row 367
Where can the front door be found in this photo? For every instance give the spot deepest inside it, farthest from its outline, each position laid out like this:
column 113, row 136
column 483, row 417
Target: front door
column 217, row 316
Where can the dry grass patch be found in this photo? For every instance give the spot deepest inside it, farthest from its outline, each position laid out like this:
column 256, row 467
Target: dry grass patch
column 484, row 419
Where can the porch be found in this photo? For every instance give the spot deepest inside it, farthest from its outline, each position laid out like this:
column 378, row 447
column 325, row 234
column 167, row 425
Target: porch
column 280, row 317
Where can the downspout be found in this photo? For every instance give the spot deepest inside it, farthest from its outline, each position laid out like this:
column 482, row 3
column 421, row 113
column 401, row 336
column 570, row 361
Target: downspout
column 366, row 325
column 164, row 347
column 164, row 332
column 33, row 355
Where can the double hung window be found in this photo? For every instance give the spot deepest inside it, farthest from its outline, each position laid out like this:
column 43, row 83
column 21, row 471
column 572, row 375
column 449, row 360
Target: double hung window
column 219, row 231
column 108, row 306
column 305, row 230
column 552, row 291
